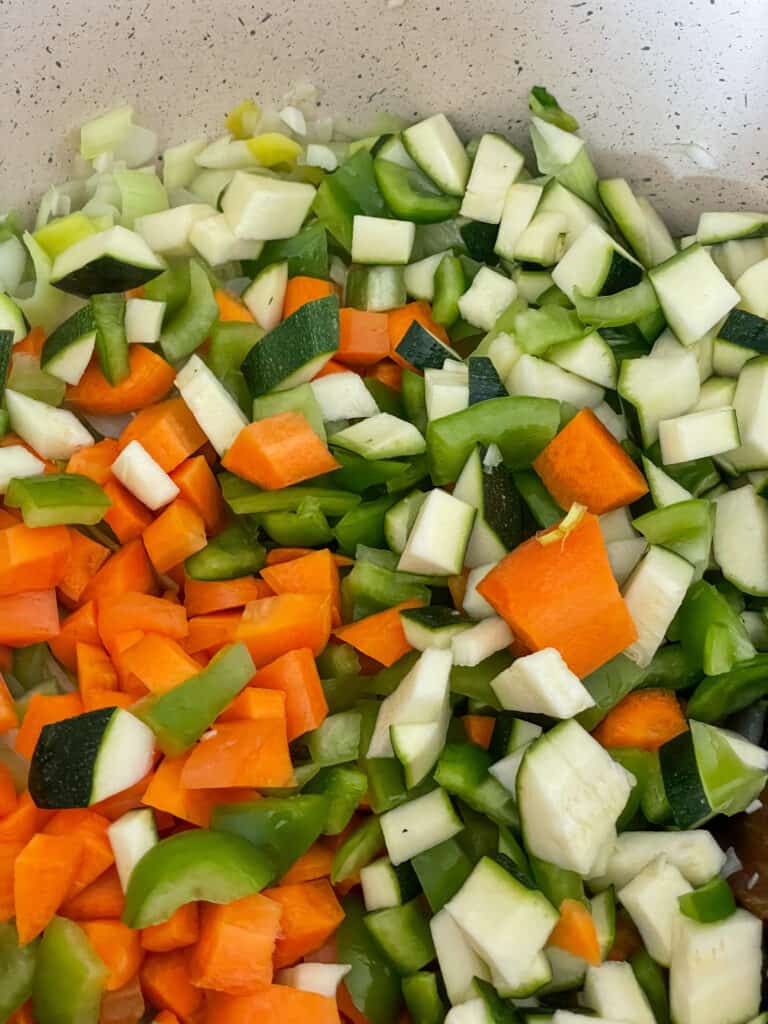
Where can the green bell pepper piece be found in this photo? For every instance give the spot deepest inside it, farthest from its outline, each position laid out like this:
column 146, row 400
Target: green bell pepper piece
column 719, row 696
column 417, row 471
column 556, row 883
column 403, row 933
column 697, row 476
column 170, row 287
column 383, row 588
column 232, row 553
column 388, row 679
column 58, row 499
column 17, row 970
column 414, row 400
column 645, row 766
column 305, row 253
column 299, row 399
column 543, row 104
column 358, row 474
column 450, row 285
column 342, row 693
column 540, row 502
column 521, row 427
column 179, row 717
column 442, row 871
column 5, row 421
column 463, row 771
column 386, row 784
column 373, row 983
column 510, row 847
column 387, row 399
column 337, row 740
column 230, row 343
column 35, row 664
column 357, row 850
column 706, row 618
column 421, row 992
column 650, row 978
column 247, row 499
column 480, row 836
column 343, row 788
column 685, row 528
column 307, row 527
column 111, row 342
column 475, row 682
column 281, row 828
column 69, row 977
column 364, row 525
column 411, row 195
column 26, row 377
column 216, row 867
column 191, row 323
column 711, row 902
column 338, row 660
column 347, row 192
column 6, row 347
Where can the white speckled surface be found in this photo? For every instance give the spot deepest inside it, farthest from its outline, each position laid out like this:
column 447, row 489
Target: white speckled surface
column 640, row 75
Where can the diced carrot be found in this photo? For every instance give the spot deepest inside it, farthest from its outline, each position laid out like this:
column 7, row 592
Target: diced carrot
column 103, row 899
column 150, row 379
column 127, row 517
column 235, row 754
column 158, row 663
column 79, row 626
column 180, row 930
column 91, row 829
column 645, row 718
column 7, row 791
column 23, row 820
column 167, row 793
column 311, row 914
column 31, row 343
column 295, row 674
column 42, row 877
column 41, row 711
column 8, row 516
column 128, row 569
column 575, row 932
column 457, row 586
column 208, row 632
column 302, row 290
column 121, row 613
column 278, row 451
column 86, row 557
column 166, row 1017
column 177, row 533
column 6, row 658
column 28, row 618
column 201, row 597
column 166, row 985
column 387, row 372
column 8, row 717
column 479, row 729
column 95, row 462
column 627, row 940
column 401, row 319
column 24, row 1014
column 118, row 946
column 255, row 703
column 329, row 368
column 363, row 337
column 563, row 595
column 33, row 558
column 278, row 1004
column 98, row 699
column 236, row 945
column 9, row 851
column 380, row 636
column 123, row 1006
column 231, row 309
column 95, row 671
column 315, row 863
column 585, row 463
column 279, row 555
column 315, row 573
column 276, row 625
column 167, row 431
column 198, row 486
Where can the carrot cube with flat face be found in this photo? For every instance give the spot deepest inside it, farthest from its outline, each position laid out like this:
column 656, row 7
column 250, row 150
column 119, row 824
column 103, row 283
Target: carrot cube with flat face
column 278, row 451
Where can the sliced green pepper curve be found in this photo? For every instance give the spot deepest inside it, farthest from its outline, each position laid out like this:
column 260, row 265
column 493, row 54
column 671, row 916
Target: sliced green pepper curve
column 373, row 983
column 215, row 867
column 69, row 977
column 58, row 499
column 722, row 695
column 17, row 969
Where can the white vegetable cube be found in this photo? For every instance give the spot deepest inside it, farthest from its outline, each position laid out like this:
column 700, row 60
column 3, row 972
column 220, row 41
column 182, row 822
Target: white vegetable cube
column 419, row 824
column 143, row 321
column 217, row 243
column 445, row 392
column 168, row 231
column 587, row 262
column 420, row 276
column 612, row 990
column 323, row 979
column 380, row 240
column 343, row 396
column 542, row 684
column 53, row 433
column 439, row 537
column 617, row 525
column 321, row 156
column 695, row 853
column 486, row 299
column 624, row 555
column 459, row 963
column 438, row 150
column 219, row 416
column 693, row 293
column 653, row 595
column 651, row 899
column 475, row 604
column 698, row 435
column 537, row 378
column 16, row 461
column 495, row 167
column 138, row 472
column 474, row 645
column 262, row 208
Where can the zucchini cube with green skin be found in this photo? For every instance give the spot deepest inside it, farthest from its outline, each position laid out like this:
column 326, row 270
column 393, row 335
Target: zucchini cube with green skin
column 418, row 825
column 83, row 760
column 695, row 853
column 114, row 260
column 218, row 415
column 693, row 293
column 651, row 899
column 263, row 209
column 542, row 684
column 506, row 923
column 439, row 537
column 381, row 240
column 496, row 165
column 458, row 961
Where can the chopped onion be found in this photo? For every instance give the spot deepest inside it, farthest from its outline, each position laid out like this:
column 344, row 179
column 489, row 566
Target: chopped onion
column 13, row 260
column 295, row 120
column 732, row 863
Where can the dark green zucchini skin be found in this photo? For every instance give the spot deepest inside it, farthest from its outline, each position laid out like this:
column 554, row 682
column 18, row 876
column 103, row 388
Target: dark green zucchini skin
column 104, row 275
column 682, row 782
column 622, row 273
column 61, row 773
column 743, row 328
column 422, row 349
column 484, row 381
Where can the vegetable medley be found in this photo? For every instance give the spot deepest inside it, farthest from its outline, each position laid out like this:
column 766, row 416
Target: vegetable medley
column 383, row 578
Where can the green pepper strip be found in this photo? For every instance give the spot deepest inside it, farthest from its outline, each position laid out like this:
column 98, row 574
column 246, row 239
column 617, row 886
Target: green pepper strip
column 69, row 977
column 58, row 499
column 232, row 553
column 189, row 326
column 17, row 970
column 719, row 696
column 357, row 850
column 111, row 342
column 247, row 499
column 373, row 983
column 343, row 788
column 463, row 771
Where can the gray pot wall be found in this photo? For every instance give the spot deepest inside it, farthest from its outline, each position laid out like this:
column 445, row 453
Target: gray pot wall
column 645, row 78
